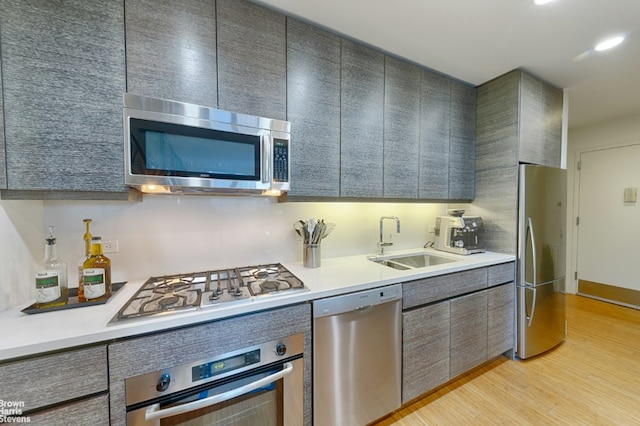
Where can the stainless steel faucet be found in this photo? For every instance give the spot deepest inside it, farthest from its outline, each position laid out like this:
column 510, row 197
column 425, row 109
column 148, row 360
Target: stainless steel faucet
column 382, row 244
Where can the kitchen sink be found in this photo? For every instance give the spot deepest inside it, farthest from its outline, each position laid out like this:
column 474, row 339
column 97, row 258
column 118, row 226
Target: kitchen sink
column 412, row 261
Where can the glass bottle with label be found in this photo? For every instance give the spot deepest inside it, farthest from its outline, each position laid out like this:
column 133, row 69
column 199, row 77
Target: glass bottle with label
column 87, row 254
column 51, row 277
column 96, row 273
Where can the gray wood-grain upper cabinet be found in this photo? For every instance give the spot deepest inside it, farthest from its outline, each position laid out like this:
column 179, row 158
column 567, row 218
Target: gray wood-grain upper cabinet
column 401, row 129
column 3, row 170
column 132, row 357
column 435, row 122
column 540, row 122
column 60, row 389
column 252, row 59
column 462, row 142
column 426, row 345
column 171, row 50
column 63, row 70
column 313, row 108
column 361, row 123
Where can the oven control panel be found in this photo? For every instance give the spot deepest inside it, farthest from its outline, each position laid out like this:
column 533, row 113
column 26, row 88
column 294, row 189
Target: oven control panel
column 214, row 368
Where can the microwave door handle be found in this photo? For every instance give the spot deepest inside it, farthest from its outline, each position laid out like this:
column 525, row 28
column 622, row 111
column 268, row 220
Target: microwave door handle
column 265, row 142
column 154, row 413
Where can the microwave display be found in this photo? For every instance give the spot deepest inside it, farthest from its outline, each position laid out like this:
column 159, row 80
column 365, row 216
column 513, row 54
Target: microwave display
column 175, row 150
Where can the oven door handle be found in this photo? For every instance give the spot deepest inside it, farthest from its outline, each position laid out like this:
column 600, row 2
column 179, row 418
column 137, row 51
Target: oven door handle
column 154, row 413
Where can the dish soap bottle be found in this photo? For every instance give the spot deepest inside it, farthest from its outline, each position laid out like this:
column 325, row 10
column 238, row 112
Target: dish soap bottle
column 97, row 273
column 51, row 277
column 85, row 256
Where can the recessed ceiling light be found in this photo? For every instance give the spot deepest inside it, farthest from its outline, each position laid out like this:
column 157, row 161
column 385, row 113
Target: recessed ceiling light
column 609, row 43
column 541, row 2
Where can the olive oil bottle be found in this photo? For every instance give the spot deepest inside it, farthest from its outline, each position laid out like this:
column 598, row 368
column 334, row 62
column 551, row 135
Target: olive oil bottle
column 51, row 277
column 87, row 254
column 96, row 273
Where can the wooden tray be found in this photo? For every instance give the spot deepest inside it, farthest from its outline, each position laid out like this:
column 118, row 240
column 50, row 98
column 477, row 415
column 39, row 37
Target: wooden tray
column 73, row 301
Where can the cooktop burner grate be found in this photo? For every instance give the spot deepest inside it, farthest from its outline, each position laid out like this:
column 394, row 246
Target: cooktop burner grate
column 181, row 292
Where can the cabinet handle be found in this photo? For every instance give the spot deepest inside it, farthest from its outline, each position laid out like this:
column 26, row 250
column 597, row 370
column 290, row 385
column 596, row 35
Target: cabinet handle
column 154, row 413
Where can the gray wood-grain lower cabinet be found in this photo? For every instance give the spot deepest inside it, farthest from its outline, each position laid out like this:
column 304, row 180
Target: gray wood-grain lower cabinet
column 63, row 70
column 91, row 411
column 450, row 327
column 171, row 50
column 500, row 315
column 252, row 59
column 426, row 345
column 401, row 129
column 468, row 332
column 361, row 121
column 313, row 108
column 46, row 382
column 142, row 355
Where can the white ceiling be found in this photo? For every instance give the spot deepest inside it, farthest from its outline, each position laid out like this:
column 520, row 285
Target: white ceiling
column 477, row 40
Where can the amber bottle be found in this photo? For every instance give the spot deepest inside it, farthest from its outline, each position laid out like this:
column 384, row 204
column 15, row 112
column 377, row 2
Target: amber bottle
column 96, row 273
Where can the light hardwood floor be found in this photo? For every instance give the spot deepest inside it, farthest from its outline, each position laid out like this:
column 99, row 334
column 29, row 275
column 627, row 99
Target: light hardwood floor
column 593, row 378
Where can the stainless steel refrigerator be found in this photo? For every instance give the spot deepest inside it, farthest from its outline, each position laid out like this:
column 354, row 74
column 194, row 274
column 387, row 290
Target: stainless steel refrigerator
column 541, row 317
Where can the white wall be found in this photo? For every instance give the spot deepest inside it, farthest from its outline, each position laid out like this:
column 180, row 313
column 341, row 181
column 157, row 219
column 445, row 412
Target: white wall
column 618, row 132
column 172, row 234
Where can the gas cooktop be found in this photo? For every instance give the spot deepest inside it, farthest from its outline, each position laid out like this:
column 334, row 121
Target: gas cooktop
column 203, row 290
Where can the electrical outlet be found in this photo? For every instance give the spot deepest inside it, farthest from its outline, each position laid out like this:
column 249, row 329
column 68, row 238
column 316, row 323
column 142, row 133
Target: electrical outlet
column 432, row 229
column 110, row 246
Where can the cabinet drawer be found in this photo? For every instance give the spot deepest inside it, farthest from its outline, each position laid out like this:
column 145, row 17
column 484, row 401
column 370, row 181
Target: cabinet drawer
column 91, row 411
column 500, row 274
column 427, row 290
column 56, row 378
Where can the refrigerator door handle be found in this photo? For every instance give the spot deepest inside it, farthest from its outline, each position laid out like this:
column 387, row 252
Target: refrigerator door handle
column 532, row 286
column 529, row 316
column 533, row 248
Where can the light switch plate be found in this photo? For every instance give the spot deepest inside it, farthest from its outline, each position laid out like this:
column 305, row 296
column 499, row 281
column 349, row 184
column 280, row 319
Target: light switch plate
column 630, row 195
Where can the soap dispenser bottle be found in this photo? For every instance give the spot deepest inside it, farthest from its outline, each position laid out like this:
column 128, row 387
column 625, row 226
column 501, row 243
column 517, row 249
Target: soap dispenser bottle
column 51, row 277
column 97, row 273
column 87, row 254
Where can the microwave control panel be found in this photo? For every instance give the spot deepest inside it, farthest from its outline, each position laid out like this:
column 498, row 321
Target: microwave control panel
column 280, row 160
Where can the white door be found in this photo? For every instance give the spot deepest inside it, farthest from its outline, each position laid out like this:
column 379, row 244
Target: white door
column 609, row 227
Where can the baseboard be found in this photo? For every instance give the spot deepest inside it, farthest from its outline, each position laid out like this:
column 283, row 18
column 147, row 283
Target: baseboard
column 609, row 293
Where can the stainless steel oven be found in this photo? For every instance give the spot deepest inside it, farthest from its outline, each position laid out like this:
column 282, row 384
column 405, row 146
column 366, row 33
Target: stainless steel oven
column 257, row 385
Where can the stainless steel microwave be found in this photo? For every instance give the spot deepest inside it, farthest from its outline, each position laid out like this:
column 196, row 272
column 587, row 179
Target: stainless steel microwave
column 177, row 147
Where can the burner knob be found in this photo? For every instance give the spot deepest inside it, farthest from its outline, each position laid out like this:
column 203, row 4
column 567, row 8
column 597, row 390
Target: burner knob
column 163, row 383
column 281, row 349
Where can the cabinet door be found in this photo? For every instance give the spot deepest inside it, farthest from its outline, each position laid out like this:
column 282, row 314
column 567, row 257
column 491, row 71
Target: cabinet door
column 91, row 411
column 313, row 108
column 500, row 319
column 540, row 122
column 251, row 59
column 401, row 128
column 171, row 50
column 361, row 123
column 468, row 332
column 434, row 136
column 462, row 143
column 3, row 170
column 63, row 69
column 425, row 349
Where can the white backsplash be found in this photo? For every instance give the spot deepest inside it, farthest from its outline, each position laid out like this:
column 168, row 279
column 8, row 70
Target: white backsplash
column 170, row 234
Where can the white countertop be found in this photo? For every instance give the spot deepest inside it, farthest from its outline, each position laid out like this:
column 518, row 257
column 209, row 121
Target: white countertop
column 26, row 335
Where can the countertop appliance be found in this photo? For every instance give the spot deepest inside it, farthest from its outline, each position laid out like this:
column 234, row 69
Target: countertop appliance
column 208, row 289
column 458, row 234
column 257, row 385
column 357, row 356
column 176, row 147
column 541, row 318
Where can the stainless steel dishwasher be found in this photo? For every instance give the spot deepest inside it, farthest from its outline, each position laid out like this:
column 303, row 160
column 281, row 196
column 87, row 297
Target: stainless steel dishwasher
column 357, row 356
